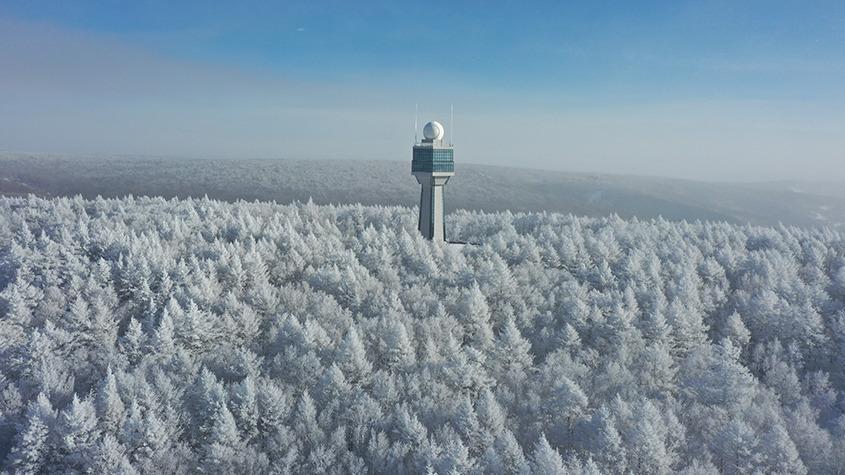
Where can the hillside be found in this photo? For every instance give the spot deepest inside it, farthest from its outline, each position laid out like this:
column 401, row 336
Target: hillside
column 475, row 187
column 151, row 335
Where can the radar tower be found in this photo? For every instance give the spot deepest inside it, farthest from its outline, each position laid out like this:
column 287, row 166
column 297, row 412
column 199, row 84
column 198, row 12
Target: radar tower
column 432, row 165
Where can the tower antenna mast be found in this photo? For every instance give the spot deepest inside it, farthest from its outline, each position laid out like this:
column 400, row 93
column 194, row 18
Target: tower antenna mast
column 416, row 115
column 451, row 124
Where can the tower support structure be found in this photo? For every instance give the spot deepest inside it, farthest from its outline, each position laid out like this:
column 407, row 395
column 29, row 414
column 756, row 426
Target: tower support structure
column 431, row 204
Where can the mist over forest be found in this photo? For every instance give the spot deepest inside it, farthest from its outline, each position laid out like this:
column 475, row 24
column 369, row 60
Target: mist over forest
column 475, row 187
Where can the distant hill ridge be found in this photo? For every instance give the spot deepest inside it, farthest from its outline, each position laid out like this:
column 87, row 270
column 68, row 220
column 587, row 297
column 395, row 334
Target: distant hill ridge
column 478, row 187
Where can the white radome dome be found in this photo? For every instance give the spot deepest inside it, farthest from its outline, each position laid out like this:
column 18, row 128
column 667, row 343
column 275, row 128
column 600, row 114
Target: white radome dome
column 433, row 130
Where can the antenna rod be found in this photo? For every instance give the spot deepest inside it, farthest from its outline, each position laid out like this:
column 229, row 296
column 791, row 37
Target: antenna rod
column 452, row 124
column 416, row 116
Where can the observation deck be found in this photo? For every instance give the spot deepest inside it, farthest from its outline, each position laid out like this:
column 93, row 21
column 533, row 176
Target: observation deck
column 430, row 159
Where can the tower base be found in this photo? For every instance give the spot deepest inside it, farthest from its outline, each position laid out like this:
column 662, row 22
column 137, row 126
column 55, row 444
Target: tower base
column 431, row 223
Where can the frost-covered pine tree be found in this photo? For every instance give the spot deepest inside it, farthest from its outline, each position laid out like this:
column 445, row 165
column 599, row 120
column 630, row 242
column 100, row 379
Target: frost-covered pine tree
column 34, row 449
column 475, row 312
column 352, row 357
column 512, row 354
column 78, row 432
column 545, row 460
column 110, row 407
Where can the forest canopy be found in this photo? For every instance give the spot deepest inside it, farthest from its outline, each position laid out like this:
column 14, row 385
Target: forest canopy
column 145, row 335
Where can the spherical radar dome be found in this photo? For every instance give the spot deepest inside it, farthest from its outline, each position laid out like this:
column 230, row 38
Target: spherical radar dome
column 433, row 130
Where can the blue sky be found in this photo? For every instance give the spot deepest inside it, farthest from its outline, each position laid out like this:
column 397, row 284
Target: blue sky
column 713, row 90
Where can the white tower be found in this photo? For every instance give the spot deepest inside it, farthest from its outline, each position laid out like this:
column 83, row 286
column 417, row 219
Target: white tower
column 433, row 164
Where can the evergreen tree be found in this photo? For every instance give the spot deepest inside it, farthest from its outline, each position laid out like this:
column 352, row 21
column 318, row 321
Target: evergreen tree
column 409, row 429
column 735, row 330
column 110, row 457
column 33, row 450
column 688, row 328
column 245, row 402
column 467, row 425
column 475, row 315
column 607, row 446
column 511, row 454
column 649, row 452
column 735, row 447
column 567, row 402
column 133, row 341
column 163, row 340
column 545, row 460
column 512, row 354
column 353, row 358
column 79, row 433
column 110, row 407
column 781, row 455
column 225, row 447
column 491, row 416
column 305, row 421
column 396, row 346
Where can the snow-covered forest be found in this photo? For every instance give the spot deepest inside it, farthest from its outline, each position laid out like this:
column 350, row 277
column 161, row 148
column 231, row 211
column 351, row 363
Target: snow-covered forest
column 144, row 335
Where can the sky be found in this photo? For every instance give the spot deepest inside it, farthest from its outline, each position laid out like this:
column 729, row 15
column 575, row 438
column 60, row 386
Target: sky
column 712, row 90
